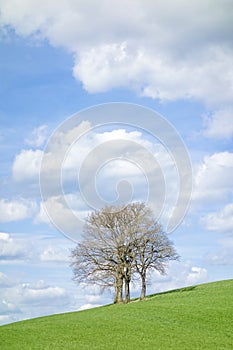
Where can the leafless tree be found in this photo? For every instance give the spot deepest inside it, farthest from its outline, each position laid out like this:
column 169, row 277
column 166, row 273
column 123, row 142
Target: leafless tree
column 118, row 243
column 153, row 252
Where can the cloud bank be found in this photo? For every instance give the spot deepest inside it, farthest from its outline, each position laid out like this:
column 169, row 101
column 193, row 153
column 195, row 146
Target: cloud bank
column 162, row 49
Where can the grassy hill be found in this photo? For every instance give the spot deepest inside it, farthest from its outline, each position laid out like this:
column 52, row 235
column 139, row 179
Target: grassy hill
column 199, row 317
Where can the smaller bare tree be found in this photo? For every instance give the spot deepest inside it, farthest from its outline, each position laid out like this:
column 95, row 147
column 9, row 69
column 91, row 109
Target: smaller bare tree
column 153, row 252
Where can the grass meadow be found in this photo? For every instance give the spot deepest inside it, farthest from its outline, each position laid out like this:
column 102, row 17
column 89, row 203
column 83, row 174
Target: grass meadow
column 198, row 317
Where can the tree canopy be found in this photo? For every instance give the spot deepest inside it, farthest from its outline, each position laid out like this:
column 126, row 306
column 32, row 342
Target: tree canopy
column 119, row 243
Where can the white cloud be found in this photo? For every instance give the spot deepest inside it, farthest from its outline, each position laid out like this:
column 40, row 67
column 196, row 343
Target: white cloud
column 179, row 275
column 16, row 210
column 7, row 307
column 17, row 248
column 213, row 179
column 157, row 48
column 38, row 136
column 42, row 216
column 92, row 295
column 219, row 125
column 9, row 310
column 38, row 293
column 12, row 249
column 65, row 218
column 4, row 280
column 26, row 300
column 88, row 306
column 102, row 161
column 221, row 221
column 159, row 75
column 93, row 298
column 5, row 319
column 223, row 256
column 89, row 143
column 197, row 275
column 26, row 166
column 55, row 156
column 42, row 295
column 51, row 254
column 4, row 236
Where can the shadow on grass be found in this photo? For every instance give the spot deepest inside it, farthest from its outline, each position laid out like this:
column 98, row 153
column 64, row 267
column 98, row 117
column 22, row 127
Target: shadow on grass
column 180, row 290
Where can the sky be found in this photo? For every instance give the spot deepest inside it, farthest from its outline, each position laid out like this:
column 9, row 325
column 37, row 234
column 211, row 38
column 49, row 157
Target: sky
column 107, row 102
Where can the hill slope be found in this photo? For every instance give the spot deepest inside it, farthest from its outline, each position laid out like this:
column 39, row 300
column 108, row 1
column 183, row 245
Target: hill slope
column 199, row 317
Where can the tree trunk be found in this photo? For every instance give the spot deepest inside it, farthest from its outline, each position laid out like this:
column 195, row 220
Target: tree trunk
column 127, row 291
column 127, row 279
column 118, row 290
column 115, row 294
column 143, row 290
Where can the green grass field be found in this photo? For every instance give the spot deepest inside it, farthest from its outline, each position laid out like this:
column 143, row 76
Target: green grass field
column 199, row 317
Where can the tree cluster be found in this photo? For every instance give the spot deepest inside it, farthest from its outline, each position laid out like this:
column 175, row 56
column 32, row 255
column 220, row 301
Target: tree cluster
column 119, row 243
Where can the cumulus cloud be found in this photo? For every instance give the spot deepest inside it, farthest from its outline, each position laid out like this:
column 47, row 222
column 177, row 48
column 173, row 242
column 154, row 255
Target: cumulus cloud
column 79, row 150
column 153, row 74
column 160, row 49
column 56, row 153
column 26, row 300
column 92, row 300
column 6, row 319
column 12, row 249
column 219, row 124
column 113, row 156
column 16, row 248
column 220, row 221
column 38, row 136
column 197, row 275
column 4, row 280
column 88, row 306
column 222, row 256
column 26, row 166
column 61, row 215
column 99, row 168
column 213, row 179
column 6, row 307
column 23, row 299
column 179, row 275
column 41, row 294
column 8, row 311
column 55, row 254
column 37, row 294
column 16, row 210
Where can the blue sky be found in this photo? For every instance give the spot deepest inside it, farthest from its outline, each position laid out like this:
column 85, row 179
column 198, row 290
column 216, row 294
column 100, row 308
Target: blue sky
column 58, row 59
